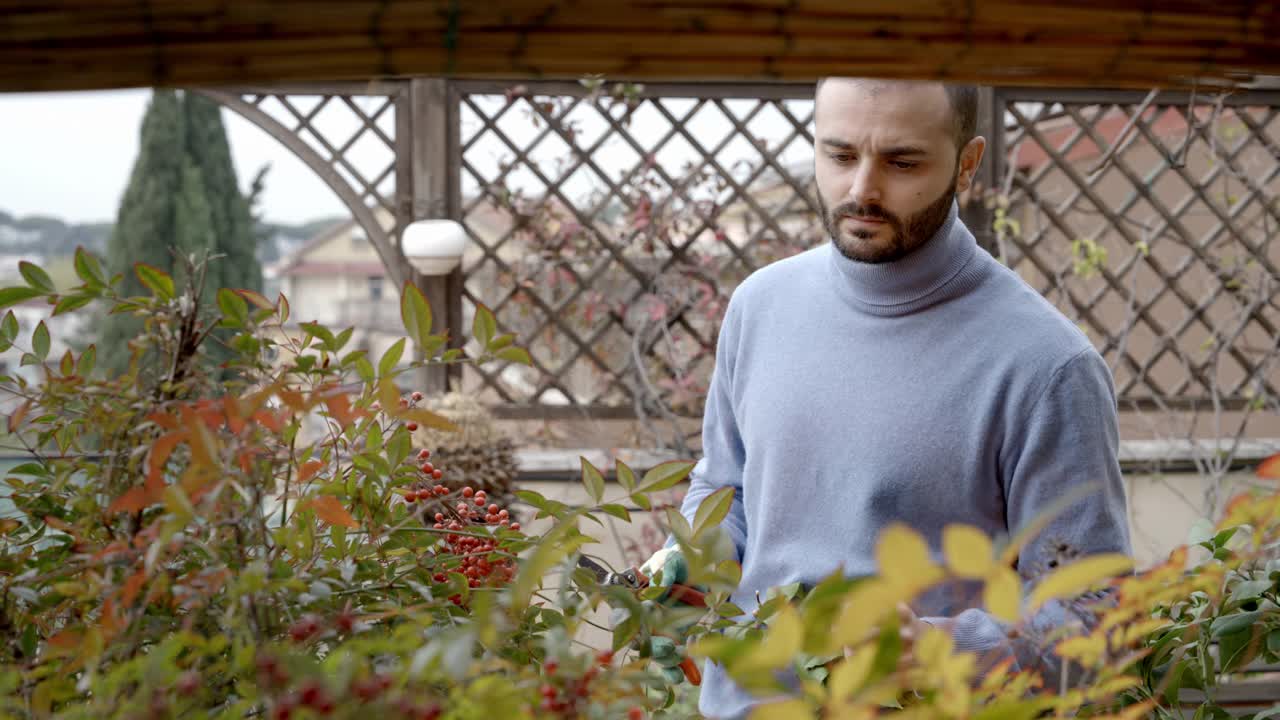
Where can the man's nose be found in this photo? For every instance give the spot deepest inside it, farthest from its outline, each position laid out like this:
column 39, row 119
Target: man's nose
column 865, row 187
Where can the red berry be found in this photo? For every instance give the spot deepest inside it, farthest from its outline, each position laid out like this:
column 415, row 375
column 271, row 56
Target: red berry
column 311, row 694
column 439, row 517
column 410, row 496
column 515, row 526
column 479, row 501
column 482, row 494
column 417, row 396
column 188, row 683
column 283, row 711
column 503, row 514
column 440, row 489
column 468, row 491
column 404, row 402
column 551, row 666
column 428, row 468
column 604, row 657
column 411, row 426
column 635, row 713
column 437, row 474
column 304, row 628
column 424, row 454
column 493, row 508
column 366, row 689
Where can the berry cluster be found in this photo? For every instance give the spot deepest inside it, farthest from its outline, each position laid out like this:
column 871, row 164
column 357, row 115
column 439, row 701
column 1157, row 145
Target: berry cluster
column 566, row 694
column 478, row 564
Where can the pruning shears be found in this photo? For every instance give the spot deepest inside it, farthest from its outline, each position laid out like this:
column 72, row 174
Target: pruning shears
column 633, row 579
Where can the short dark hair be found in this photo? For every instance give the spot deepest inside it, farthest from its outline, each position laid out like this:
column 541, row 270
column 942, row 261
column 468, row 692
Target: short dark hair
column 964, row 109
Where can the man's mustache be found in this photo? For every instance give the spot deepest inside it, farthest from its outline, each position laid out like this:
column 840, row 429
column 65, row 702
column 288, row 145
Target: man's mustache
column 874, row 212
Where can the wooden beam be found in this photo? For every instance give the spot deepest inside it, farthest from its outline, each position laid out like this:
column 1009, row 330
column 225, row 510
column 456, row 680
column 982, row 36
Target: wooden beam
column 98, row 44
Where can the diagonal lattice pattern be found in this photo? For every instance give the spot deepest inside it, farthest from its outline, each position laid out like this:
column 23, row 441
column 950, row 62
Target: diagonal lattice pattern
column 1150, row 224
column 610, row 225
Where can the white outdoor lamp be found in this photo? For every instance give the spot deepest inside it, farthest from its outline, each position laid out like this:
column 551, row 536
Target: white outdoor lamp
column 434, row 246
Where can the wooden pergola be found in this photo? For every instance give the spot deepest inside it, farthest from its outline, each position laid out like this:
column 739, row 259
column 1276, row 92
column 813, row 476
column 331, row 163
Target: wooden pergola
column 97, row 44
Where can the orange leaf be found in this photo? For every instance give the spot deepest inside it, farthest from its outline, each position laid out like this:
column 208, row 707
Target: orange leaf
column 54, row 522
column 1270, row 468
column 340, row 409
column 235, row 420
column 329, row 509
column 132, row 501
column 160, row 451
column 270, row 420
column 293, row 399
column 256, row 298
column 65, row 640
column 164, row 420
column 246, row 461
column 16, row 418
column 309, row 470
column 132, row 586
column 108, row 620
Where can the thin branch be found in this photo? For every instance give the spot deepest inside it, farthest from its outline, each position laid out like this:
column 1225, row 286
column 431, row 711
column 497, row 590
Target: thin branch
column 1124, row 133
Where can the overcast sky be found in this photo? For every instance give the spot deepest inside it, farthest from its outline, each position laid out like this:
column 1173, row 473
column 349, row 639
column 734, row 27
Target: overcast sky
column 69, row 155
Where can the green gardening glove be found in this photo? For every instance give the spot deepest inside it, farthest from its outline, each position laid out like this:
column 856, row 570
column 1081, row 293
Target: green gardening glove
column 666, row 568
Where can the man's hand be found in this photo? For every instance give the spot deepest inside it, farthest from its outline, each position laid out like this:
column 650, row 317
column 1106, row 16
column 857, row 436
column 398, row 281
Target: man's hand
column 666, row 568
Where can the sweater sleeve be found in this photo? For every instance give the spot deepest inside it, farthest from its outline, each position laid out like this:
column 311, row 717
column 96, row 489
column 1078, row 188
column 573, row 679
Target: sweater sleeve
column 1069, row 438
column 723, row 454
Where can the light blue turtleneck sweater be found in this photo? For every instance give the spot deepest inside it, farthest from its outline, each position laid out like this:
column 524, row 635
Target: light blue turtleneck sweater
column 936, row 389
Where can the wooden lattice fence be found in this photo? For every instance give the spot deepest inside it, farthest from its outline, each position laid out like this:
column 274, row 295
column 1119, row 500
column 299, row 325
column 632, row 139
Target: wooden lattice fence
column 1160, row 248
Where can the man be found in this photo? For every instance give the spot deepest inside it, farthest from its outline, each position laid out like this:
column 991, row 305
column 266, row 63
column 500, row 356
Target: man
column 899, row 374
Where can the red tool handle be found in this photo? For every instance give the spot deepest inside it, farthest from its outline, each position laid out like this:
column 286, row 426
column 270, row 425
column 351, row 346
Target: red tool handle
column 691, row 672
column 686, row 594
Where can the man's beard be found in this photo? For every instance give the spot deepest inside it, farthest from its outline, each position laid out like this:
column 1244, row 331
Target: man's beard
column 907, row 236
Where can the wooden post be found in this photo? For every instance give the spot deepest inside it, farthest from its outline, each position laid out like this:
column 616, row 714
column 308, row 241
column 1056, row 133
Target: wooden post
column 432, row 185
column 975, row 214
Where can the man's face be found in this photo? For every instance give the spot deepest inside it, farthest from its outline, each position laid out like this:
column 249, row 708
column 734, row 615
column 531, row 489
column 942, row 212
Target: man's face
column 886, row 165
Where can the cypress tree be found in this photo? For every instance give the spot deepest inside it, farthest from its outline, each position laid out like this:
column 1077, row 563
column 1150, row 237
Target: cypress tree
column 182, row 198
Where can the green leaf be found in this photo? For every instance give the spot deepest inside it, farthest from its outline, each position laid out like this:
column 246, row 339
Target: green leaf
column 625, row 631
column 88, row 268
column 235, row 311
column 9, row 326
column 40, row 341
column 1233, row 623
column 642, row 501
column 36, row 278
column 592, row 480
column 1273, row 637
column 484, row 326
column 71, row 303
column 365, row 370
column 88, row 360
column 415, row 313
column 155, row 280
column 1239, row 649
column 617, row 511
column 321, row 333
column 665, row 476
column 343, row 338
column 391, row 357
column 626, row 476
column 515, row 355
column 712, row 511
column 14, row 295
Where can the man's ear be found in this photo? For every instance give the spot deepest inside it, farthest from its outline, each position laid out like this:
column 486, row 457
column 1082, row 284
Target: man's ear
column 970, row 160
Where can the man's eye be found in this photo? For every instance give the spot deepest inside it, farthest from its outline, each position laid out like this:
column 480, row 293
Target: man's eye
column 902, row 165
column 842, row 158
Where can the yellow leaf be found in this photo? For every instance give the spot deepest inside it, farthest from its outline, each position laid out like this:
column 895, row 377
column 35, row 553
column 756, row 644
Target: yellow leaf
column 1084, row 649
column 780, row 644
column 1079, row 576
column 850, row 674
column 903, row 557
column 933, row 647
column 863, row 609
column 1002, row 594
column 329, row 509
column 1269, row 468
column 785, row 710
column 968, row 551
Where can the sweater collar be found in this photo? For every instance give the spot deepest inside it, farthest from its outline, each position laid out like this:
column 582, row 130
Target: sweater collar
column 910, row 283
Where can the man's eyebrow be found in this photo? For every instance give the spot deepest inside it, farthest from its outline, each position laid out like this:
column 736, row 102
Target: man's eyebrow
column 893, row 151
column 900, row 150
